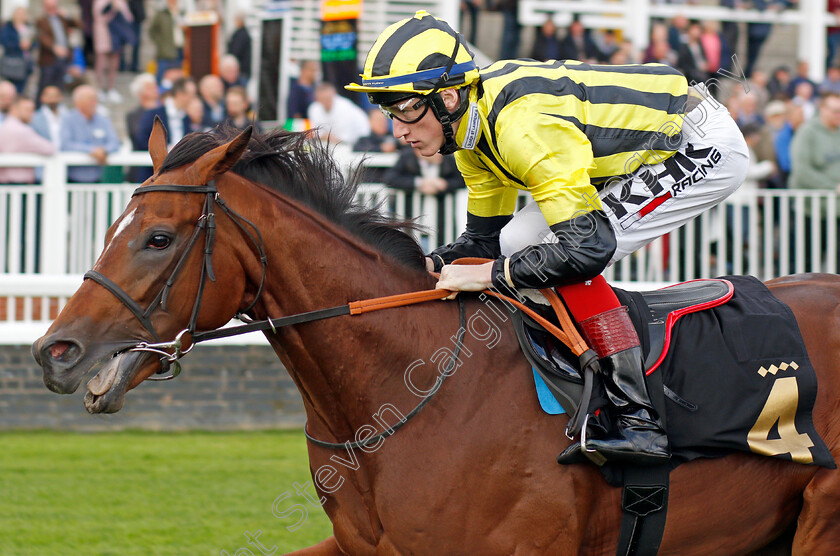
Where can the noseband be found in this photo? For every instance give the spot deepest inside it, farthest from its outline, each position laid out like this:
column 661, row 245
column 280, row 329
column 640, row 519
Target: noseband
column 207, row 223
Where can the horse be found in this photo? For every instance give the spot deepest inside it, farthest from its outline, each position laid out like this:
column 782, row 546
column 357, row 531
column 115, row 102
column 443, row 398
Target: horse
column 474, row 472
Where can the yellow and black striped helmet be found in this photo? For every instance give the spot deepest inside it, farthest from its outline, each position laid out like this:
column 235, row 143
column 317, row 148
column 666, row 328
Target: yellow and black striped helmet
column 416, row 56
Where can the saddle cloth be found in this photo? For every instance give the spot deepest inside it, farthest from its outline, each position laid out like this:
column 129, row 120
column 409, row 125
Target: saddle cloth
column 735, row 371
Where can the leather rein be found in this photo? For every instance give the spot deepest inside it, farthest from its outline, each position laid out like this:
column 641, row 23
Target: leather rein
column 568, row 335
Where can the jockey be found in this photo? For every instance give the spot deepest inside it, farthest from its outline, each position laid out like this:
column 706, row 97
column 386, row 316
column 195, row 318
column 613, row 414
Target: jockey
column 613, row 156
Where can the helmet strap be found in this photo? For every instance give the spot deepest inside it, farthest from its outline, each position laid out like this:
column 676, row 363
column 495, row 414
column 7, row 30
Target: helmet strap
column 447, row 118
column 439, row 108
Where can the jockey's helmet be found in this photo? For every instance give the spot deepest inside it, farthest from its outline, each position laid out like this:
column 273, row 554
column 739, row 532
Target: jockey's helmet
column 417, row 57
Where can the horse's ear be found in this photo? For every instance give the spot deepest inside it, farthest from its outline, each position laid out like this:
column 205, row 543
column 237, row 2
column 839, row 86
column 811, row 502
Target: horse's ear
column 157, row 144
column 222, row 158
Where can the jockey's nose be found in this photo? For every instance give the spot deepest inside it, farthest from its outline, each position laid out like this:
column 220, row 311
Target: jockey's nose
column 400, row 129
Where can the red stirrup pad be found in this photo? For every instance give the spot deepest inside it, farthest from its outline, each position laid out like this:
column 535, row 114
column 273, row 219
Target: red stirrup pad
column 590, row 298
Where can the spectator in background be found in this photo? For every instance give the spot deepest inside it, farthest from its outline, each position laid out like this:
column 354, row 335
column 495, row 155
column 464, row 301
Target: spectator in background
column 472, row 7
column 511, row 29
column 195, row 116
column 546, row 41
column 166, row 34
column 715, row 48
column 816, row 165
column 84, row 130
column 608, row 45
column 86, row 26
column 740, row 199
column 758, row 88
column 757, row 33
column 239, row 46
column 626, row 54
column 774, row 114
column 229, row 72
column 169, row 77
column 779, row 82
column 380, row 140
column 802, row 69
column 659, row 50
column 578, row 45
column 729, row 30
column 16, row 37
column 19, row 137
column 747, row 110
column 336, row 119
column 831, row 84
column 432, row 175
column 8, row 92
column 783, row 141
column 172, row 114
column 211, row 90
column 816, row 144
column 53, row 36
column 105, row 46
column 803, row 96
column 832, row 34
column 238, row 108
column 691, row 59
column 678, row 32
column 144, row 89
column 138, row 16
column 47, row 119
column 302, row 90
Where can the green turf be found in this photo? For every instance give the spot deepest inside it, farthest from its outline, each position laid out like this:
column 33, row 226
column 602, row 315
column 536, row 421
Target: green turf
column 150, row 493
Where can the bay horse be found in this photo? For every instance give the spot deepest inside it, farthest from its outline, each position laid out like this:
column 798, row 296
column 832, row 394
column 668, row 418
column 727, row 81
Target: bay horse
column 474, row 472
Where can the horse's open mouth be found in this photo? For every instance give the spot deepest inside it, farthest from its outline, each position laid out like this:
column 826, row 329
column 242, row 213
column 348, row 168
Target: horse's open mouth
column 106, row 390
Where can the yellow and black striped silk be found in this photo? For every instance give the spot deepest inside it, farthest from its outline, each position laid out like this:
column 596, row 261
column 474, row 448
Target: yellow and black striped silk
column 562, row 129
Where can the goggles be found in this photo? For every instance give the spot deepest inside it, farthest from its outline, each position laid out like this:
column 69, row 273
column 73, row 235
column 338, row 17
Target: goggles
column 409, row 111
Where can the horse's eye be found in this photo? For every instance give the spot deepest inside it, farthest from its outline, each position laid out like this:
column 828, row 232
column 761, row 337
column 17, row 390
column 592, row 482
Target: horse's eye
column 159, row 241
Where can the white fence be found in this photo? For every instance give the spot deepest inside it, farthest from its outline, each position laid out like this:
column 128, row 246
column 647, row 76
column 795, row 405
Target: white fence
column 50, row 234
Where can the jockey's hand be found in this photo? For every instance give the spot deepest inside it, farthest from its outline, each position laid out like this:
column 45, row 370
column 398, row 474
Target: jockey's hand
column 465, row 278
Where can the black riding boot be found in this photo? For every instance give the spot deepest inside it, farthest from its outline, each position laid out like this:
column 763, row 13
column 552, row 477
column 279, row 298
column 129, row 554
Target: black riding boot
column 636, row 435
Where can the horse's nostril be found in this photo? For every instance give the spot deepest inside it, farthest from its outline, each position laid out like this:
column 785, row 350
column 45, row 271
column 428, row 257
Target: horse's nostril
column 63, row 352
column 58, row 349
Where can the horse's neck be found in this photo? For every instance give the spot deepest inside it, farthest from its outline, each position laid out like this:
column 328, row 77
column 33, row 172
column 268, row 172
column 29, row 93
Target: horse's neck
column 346, row 367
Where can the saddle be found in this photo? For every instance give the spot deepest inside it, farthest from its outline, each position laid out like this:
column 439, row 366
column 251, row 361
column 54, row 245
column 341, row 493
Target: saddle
column 654, row 314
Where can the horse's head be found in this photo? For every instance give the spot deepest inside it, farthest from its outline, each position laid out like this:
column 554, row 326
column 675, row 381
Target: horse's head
column 165, row 267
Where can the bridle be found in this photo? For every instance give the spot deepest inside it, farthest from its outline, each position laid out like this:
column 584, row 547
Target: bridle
column 207, row 223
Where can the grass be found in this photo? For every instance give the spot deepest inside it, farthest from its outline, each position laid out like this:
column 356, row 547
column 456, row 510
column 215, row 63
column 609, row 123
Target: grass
column 145, row 493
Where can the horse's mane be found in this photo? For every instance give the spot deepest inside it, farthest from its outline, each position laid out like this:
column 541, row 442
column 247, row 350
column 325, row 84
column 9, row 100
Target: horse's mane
column 305, row 170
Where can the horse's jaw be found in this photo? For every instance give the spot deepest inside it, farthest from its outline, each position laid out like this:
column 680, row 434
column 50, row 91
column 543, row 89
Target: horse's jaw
column 106, row 391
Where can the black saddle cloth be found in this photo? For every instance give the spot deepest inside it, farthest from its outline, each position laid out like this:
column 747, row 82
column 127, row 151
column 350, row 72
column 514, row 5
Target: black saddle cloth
column 737, row 377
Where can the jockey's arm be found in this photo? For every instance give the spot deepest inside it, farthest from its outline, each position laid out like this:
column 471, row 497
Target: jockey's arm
column 559, row 182
column 489, row 208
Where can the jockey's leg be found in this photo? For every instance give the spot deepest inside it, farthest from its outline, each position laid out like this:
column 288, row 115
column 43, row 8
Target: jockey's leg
column 636, row 435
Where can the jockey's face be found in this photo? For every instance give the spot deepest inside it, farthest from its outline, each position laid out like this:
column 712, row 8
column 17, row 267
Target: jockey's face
column 426, row 134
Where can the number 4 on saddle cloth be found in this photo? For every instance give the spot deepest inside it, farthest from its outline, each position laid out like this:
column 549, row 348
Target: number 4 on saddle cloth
column 731, row 362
